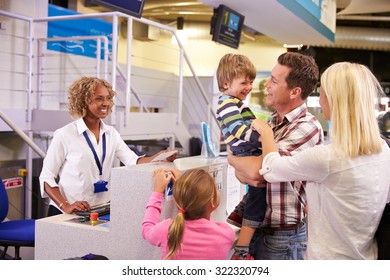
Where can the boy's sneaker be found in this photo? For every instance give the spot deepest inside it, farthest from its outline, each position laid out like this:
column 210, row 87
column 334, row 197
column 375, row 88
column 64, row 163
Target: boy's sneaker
column 235, row 218
column 240, row 256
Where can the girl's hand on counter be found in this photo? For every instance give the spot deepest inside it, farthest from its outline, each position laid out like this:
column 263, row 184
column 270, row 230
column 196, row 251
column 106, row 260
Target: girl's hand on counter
column 161, row 178
column 176, row 173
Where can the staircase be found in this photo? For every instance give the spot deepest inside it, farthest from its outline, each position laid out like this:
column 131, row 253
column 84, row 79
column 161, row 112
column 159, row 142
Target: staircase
column 151, row 104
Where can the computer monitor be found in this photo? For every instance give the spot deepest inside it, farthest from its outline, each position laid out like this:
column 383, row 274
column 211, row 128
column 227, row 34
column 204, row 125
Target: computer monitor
column 226, row 26
column 131, row 7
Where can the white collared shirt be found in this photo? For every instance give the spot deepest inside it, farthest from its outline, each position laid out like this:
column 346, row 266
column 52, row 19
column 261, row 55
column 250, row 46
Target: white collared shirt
column 70, row 158
column 345, row 198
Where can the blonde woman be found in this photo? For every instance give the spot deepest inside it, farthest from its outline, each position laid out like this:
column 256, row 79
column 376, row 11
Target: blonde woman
column 82, row 153
column 348, row 180
column 191, row 234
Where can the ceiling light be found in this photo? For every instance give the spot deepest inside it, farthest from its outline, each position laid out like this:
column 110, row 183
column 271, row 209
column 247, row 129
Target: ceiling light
column 181, row 34
column 298, row 46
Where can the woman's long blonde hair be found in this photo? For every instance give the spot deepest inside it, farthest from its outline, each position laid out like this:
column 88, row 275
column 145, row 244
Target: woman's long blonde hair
column 353, row 92
column 192, row 192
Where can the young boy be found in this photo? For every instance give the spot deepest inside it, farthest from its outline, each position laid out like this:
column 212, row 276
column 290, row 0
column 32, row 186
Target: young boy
column 235, row 75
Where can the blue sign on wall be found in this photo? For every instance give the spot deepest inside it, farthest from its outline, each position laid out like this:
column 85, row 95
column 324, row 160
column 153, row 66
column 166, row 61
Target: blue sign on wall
column 79, row 27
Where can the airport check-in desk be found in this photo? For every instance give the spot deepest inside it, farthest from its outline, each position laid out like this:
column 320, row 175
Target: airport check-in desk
column 63, row 236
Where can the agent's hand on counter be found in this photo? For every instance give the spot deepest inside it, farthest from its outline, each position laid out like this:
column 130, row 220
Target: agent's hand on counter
column 68, row 208
column 76, row 206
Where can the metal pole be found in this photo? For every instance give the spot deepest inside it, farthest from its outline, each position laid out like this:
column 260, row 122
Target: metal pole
column 180, row 101
column 98, row 56
column 114, row 58
column 22, row 135
column 128, row 70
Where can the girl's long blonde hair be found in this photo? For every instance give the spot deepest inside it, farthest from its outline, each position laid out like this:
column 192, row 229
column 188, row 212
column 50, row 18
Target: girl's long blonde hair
column 192, row 192
column 353, row 92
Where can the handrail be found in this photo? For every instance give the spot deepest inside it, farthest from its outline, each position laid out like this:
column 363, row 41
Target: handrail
column 199, row 84
column 8, row 14
column 22, row 135
column 211, row 118
column 148, row 22
column 114, row 15
column 98, row 38
column 142, row 105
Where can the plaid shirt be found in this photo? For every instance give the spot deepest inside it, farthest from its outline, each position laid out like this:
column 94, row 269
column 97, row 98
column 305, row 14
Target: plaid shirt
column 299, row 130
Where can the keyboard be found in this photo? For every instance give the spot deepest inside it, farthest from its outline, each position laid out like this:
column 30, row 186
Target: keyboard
column 101, row 209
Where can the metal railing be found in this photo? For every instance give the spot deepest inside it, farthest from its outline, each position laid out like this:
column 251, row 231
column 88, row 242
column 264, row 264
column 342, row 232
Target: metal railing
column 37, row 55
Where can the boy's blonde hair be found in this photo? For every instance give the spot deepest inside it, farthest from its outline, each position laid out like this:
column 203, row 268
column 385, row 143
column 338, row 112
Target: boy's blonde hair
column 232, row 66
column 81, row 92
column 193, row 192
column 352, row 91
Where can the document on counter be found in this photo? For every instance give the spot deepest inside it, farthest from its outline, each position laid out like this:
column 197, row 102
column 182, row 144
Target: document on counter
column 233, row 190
column 164, row 156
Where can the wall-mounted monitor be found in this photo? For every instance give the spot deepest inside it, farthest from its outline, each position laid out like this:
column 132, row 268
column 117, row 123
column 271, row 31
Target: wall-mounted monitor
column 226, row 26
column 130, row 7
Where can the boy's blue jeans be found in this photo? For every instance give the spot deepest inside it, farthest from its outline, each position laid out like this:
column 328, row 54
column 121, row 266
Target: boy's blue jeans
column 256, row 204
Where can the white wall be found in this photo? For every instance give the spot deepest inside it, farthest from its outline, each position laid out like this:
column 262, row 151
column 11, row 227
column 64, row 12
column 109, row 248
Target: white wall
column 16, row 84
column 28, row 8
column 161, row 56
column 203, row 53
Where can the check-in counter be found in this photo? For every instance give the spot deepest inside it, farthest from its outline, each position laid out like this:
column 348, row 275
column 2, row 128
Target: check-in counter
column 64, row 236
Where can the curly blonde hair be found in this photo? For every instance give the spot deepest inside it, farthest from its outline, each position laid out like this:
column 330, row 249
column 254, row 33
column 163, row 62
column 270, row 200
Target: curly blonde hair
column 81, row 92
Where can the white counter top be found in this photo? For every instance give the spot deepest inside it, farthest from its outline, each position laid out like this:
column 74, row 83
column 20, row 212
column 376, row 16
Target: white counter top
column 59, row 238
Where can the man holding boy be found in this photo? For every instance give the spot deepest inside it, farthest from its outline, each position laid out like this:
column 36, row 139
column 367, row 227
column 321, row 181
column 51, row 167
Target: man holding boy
column 283, row 231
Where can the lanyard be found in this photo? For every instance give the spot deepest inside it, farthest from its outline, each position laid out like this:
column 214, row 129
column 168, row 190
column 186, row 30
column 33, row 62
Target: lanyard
column 100, row 166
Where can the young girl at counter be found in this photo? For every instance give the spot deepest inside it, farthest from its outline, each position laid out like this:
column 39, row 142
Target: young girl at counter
column 191, row 234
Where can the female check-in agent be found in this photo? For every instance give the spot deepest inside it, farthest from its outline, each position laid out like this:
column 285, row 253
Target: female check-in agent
column 82, row 153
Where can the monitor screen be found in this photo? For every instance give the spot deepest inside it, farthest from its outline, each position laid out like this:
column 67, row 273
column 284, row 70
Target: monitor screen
column 131, row 7
column 226, row 26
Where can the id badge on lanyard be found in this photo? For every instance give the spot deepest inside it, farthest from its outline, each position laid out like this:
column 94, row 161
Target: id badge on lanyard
column 101, row 185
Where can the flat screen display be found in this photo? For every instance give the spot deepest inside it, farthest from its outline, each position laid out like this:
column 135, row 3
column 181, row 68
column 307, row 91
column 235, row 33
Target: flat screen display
column 131, row 7
column 226, row 26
